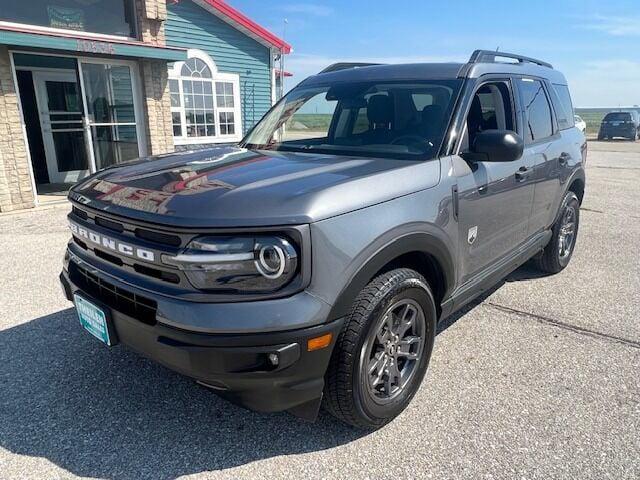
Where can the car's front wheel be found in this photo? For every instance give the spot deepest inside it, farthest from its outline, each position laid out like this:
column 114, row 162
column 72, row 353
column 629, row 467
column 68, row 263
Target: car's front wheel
column 558, row 252
column 383, row 350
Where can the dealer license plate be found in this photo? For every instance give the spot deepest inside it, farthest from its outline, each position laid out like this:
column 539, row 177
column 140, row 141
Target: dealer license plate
column 93, row 319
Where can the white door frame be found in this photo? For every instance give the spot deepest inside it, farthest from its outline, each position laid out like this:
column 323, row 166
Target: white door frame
column 138, row 109
column 139, row 112
column 40, row 77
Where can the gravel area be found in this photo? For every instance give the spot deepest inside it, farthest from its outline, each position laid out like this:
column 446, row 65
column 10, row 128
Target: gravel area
column 538, row 379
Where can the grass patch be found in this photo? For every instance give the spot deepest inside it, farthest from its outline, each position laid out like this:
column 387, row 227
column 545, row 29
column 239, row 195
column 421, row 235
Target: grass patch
column 310, row 121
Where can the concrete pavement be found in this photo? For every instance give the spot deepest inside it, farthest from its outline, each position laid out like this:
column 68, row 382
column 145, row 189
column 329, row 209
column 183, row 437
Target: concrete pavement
column 540, row 379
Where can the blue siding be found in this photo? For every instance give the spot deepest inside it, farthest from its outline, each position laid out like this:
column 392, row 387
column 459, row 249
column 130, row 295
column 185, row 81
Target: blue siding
column 190, row 26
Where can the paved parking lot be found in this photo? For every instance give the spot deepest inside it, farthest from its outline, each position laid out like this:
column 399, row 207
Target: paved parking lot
column 540, row 379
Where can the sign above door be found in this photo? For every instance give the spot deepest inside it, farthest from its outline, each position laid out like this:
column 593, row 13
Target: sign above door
column 69, row 43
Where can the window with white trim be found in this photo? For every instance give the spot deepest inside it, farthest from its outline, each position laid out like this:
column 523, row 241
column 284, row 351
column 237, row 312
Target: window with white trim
column 205, row 104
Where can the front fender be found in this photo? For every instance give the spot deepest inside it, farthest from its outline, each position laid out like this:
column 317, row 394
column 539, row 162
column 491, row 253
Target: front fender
column 429, row 240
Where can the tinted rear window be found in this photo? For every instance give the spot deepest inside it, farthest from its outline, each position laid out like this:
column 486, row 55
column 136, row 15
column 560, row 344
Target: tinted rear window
column 537, row 109
column 563, row 106
column 625, row 116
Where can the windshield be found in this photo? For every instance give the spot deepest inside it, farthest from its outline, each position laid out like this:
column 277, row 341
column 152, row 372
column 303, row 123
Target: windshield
column 624, row 116
column 405, row 120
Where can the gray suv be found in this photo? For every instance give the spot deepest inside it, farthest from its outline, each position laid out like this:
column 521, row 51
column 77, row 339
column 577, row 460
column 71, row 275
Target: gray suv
column 311, row 264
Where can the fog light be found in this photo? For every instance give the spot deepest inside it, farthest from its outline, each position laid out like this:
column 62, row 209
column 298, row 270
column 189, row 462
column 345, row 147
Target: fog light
column 273, row 358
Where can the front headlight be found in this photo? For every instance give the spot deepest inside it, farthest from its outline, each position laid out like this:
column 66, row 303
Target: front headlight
column 247, row 264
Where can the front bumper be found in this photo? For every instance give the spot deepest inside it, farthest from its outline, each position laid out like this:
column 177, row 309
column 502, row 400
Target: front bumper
column 236, row 366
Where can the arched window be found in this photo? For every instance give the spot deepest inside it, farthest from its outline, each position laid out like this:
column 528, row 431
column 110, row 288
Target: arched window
column 196, row 68
column 205, row 104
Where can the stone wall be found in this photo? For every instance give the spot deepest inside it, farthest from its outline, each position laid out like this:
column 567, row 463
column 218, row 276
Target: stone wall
column 151, row 17
column 157, row 101
column 16, row 191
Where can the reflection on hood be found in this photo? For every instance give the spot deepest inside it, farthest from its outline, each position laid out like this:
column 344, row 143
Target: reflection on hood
column 151, row 191
column 235, row 187
column 154, row 201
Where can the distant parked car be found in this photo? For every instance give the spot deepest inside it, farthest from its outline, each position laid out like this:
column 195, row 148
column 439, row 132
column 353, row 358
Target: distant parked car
column 620, row 124
column 580, row 123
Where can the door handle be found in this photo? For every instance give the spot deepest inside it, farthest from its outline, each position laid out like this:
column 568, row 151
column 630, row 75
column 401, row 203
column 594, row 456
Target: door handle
column 563, row 159
column 522, row 174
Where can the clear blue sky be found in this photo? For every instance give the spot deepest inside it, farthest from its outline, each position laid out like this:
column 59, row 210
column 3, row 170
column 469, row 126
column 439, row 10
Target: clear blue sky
column 595, row 43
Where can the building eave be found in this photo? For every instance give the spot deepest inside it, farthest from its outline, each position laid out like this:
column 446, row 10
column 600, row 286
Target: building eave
column 240, row 21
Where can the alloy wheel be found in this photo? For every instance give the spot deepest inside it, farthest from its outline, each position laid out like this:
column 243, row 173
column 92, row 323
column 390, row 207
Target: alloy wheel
column 567, row 232
column 393, row 350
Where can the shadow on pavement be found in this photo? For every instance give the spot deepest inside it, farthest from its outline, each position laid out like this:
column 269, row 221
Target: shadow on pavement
column 528, row 271
column 109, row 413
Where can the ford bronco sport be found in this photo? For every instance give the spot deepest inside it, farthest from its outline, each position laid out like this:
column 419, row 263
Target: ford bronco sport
column 311, row 263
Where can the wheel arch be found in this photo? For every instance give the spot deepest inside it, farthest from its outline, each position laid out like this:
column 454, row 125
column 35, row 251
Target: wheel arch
column 426, row 253
column 577, row 186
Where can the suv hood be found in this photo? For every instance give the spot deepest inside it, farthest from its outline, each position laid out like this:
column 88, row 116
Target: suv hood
column 235, row 187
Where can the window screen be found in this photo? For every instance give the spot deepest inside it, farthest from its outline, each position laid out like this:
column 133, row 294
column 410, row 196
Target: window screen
column 538, row 112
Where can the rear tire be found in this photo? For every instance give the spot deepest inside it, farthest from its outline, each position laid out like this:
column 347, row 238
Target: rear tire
column 383, row 350
column 558, row 252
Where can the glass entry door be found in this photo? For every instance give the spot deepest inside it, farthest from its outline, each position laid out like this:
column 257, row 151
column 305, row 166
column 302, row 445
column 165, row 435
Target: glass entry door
column 110, row 100
column 61, row 122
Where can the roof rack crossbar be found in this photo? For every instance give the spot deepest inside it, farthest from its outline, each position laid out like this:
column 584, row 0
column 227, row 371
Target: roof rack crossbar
column 345, row 65
column 489, row 56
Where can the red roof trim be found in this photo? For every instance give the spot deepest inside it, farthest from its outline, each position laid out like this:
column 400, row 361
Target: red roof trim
column 241, row 19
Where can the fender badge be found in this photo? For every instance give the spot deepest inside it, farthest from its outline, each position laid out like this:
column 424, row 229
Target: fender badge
column 472, row 235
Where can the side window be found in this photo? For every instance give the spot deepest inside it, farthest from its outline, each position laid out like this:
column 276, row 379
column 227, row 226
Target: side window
column 421, row 100
column 561, row 99
column 362, row 122
column 491, row 108
column 311, row 121
column 538, row 124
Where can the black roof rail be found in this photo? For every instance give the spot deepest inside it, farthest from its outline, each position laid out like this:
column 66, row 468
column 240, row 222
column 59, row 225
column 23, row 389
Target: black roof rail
column 489, row 56
column 345, row 65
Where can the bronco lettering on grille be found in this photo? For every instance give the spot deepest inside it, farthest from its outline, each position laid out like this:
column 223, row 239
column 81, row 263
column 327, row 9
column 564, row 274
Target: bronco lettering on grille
column 112, row 244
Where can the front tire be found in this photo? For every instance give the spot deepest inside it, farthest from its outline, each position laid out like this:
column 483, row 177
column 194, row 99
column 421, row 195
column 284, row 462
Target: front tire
column 383, row 350
column 558, row 252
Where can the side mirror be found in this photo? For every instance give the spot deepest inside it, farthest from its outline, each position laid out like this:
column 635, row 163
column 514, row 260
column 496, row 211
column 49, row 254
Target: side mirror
column 496, row 146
